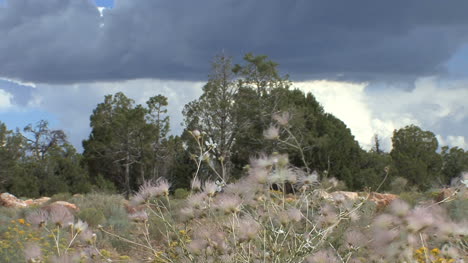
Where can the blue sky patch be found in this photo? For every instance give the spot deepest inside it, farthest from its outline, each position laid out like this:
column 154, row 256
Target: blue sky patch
column 104, row 3
column 20, row 119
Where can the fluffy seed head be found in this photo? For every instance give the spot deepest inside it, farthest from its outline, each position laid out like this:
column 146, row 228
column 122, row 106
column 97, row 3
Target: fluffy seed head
column 294, row 214
column 32, row 252
column 60, row 215
column 196, row 184
column 210, row 188
column 322, row 256
column 248, row 229
column 80, row 226
column 272, row 133
column 37, row 217
column 282, row 118
column 229, row 203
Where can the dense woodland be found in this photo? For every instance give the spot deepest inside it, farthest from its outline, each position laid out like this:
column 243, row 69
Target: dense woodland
column 236, row 118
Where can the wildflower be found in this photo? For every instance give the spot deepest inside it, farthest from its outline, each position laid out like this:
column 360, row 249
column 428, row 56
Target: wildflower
column 196, row 133
column 291, row 177
column 139, row 216
column 162, row 187
column 382, row 238
column 280, row 159
column 229, row 203
column 294, row 214
column 354, row 216
column 355, row 239
column 384, row 221
column 196, row 200
column 419, row 219
column 210, row 188
column 152, row 189
column 80, row 226
column 328, row 215
column 87, row 236
column 309, row 179
column 261, row 162
column 197, row 245
column 322, row 256
column 248, row 229
column 399, row 208
column 186, row 213
column 60, row 215
column 272, row 133
column 21, row 221
column 37, row 217
column 145, row 192
column 333, row 182
column 196, row 184
column 32, row 252
column 283, row 118
column 138, row 199
column 258, row 175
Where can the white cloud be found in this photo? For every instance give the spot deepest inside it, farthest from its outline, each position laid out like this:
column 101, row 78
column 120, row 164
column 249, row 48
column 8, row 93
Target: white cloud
column 5, row 100
column 369, row 110
column 101, row 10
column 28, row 84
column 435, row 105
column 73, row 105
column 459, row 141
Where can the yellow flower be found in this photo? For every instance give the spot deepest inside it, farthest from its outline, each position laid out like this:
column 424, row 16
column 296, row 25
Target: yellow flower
column 173, row 244
column 21, row 221
column 435, row 251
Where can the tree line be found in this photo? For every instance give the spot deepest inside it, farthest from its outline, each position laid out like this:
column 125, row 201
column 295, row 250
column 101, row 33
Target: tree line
column 245, row 110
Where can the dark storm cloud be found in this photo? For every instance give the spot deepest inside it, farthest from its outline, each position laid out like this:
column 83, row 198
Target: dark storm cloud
column 21, row 94
column 64, row 41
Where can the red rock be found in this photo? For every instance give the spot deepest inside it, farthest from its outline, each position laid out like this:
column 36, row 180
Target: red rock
column 132, row 209
column 451, row 193
column 382, row 200
column 37, row 202
column 344, row 196
column 9, row 200
column 68, row 205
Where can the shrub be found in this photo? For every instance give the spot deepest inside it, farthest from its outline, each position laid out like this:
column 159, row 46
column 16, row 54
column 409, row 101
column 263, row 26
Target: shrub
column 60, row 197
column 92, row 216
column 249, row 222
column 181, row 193
column 398, row 185
column 412, row 197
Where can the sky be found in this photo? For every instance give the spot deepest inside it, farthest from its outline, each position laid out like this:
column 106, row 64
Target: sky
column 376, row 65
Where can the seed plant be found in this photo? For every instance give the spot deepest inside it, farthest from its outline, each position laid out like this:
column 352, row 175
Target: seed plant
column 275, row 213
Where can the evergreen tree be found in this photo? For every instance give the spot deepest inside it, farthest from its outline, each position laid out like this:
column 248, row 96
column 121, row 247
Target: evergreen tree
column 414, row 156
column 126, row 140
column 454, row 162
column 213, row 114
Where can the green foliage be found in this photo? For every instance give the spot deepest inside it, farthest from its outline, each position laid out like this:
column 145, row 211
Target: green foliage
column 24, row 185
column 125, row 142
column 181, row 193
column 458, row 209
column 414, row 156
column 413, row 197
column 39, row 162
column 92, row 216
column 399, row 185
column 454, row 162
column 60, row 197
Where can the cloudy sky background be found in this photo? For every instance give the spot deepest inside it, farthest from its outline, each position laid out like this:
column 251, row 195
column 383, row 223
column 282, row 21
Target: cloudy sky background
column 376, row 65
